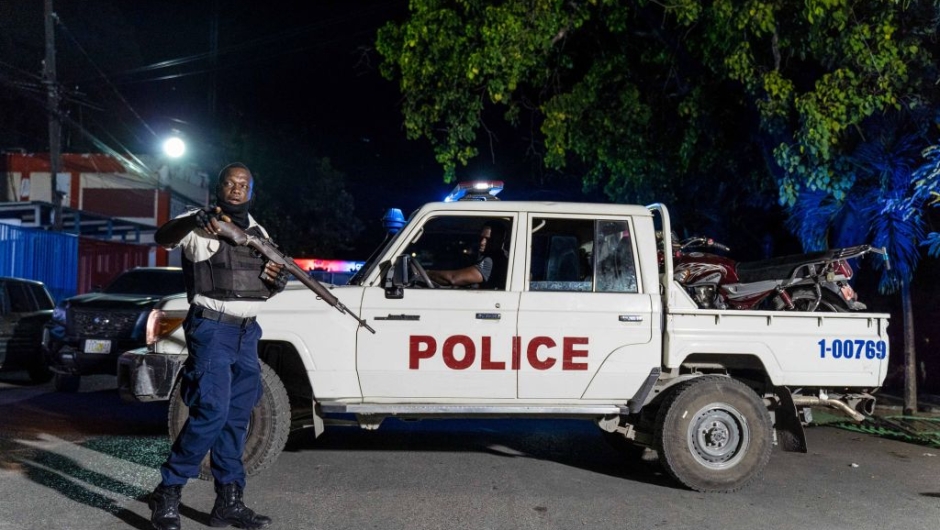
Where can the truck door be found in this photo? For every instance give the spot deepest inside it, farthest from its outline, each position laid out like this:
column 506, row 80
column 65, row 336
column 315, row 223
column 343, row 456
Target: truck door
column 444, row 342
column 585, row 327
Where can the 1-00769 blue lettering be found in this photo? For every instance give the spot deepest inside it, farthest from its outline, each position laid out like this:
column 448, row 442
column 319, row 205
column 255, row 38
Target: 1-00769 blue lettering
column 852, row 349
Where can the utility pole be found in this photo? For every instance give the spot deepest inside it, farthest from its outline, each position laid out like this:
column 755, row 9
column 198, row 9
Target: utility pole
column 55, row 127
column 910, row 355
column 213, row 58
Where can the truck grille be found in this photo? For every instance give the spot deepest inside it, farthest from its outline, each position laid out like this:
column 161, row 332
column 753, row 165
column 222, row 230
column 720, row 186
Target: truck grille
column 103, row 324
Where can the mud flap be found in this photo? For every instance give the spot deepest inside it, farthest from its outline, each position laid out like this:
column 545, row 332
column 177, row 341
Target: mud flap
column 790, row 434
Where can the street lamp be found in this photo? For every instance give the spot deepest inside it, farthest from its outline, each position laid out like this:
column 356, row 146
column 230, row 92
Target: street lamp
column 174, row 147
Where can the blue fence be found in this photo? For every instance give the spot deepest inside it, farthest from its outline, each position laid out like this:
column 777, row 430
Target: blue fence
column 50, row 257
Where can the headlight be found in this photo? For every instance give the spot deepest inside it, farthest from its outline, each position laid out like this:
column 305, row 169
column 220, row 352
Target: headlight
column 161, row 323
column 60, row 313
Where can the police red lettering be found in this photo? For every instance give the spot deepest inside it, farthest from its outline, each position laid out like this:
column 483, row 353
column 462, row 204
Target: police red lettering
column 469, row 352
column 569, row 353
column 416, row 352
column 459, row 352
column 486, row 363
column 532, row 353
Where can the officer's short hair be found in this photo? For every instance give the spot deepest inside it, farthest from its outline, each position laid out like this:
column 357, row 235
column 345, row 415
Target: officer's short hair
column 497, row 229
column 226, row 169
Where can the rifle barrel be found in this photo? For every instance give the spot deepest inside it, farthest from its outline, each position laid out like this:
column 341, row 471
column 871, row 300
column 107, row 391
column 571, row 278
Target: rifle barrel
column 268, row 250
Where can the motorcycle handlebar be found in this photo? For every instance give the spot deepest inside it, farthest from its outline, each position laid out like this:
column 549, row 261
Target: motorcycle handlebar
column 701, row 241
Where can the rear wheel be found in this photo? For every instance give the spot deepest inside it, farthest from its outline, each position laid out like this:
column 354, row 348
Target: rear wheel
column 805, row 300
column 713, row 434
column 268, row 426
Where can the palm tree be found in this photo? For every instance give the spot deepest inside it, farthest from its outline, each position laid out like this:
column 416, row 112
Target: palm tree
column 927, row 192
column 886, row 206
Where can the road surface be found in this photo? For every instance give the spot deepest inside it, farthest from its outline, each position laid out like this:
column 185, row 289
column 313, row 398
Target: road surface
column 88, row 461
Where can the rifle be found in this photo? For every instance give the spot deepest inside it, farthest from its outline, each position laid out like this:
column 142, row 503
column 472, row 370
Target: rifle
column 267, row 249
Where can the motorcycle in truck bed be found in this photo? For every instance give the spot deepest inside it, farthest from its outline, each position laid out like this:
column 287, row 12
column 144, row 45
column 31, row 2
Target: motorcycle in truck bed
column 586, row 325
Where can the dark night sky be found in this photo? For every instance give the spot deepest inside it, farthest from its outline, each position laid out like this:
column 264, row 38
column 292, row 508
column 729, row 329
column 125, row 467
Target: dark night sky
column 309, row 66
column 283, row 64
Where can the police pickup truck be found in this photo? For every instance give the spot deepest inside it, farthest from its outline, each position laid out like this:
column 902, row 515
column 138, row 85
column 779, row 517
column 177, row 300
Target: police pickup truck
column 587, row 323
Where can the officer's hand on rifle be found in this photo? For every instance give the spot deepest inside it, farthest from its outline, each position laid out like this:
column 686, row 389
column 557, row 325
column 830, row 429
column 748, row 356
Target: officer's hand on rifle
column 207, row 218
column 174, row 230
column 275, row 275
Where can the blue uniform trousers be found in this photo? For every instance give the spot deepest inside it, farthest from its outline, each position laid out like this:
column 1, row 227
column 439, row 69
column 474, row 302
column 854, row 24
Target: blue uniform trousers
column 221, row 384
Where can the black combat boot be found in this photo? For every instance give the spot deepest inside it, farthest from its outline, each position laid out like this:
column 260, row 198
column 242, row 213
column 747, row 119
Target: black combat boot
column 165, row 504
column 230, row 510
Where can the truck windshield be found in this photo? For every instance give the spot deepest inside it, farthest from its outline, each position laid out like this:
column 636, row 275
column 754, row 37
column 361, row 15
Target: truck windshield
column 370, row 264
column 151, row 282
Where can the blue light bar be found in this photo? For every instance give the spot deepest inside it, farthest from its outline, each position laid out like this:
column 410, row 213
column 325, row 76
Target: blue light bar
column 478, row 190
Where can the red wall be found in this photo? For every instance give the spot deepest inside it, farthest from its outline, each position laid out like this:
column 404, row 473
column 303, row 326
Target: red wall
column 100, row 261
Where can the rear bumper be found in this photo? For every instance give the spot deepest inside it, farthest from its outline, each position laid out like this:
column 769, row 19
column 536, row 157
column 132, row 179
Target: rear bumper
column 146, row 376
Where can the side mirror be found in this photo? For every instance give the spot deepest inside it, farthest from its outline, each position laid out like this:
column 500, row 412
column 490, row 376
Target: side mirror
column 397, row 277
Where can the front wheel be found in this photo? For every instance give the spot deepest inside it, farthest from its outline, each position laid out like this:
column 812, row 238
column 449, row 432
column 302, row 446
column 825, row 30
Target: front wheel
column 268, row 426
column 713, row 434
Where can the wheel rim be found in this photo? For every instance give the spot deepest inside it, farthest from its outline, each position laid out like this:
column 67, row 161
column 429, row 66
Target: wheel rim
column 718, row 436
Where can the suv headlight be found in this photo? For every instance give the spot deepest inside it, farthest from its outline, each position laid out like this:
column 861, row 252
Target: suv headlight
column 60, row 313
column 161, row 324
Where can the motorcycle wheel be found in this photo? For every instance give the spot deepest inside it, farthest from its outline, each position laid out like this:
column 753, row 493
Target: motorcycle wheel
column 805, row 299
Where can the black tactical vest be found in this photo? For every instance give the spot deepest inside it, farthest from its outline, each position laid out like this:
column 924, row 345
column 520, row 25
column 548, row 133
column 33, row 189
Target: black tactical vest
column 232, row 273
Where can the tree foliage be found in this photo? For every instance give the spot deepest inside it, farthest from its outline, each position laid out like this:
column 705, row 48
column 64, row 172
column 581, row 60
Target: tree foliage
column 649, row 97
column 300, row 198
column 927, row 193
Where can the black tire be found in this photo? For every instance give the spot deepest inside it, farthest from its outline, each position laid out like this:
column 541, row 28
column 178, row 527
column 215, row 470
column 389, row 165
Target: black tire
column 804, row 299
column 713, row 434
column 67, row 383
column 38, row 372
column 268, row 426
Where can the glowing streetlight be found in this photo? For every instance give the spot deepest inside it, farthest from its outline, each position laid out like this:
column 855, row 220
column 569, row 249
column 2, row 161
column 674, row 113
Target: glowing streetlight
column 174, row 147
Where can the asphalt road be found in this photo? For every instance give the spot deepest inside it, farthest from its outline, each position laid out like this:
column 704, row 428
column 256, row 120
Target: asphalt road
column 88, row 461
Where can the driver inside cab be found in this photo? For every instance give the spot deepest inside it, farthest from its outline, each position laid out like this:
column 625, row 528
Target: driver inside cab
column 489, row 268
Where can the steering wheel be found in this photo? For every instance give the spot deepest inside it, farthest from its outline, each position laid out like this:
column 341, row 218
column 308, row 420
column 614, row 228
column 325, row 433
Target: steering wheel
column 418, row 269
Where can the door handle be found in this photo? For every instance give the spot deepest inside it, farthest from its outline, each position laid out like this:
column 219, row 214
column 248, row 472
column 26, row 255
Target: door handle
column 399, row 317
column 630, row 318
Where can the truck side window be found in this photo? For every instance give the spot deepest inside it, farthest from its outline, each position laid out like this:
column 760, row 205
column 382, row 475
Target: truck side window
column 616, row 268
column 582, row 255
column 20, row 299
column 560, row 259
column 453, row 243
column 41, row 296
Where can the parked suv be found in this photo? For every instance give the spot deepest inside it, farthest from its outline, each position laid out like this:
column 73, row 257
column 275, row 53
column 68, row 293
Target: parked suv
column 25, row 306
column 88, row 332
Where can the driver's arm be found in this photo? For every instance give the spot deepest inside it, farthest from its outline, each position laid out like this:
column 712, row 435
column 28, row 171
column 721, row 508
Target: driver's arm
column 458, row 277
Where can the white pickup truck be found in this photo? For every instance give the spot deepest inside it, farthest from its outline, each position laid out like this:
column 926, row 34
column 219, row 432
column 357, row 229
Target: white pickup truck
column 588, row 324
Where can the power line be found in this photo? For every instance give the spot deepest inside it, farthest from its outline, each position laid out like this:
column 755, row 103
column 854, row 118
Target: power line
column 244, row 62
column 20, row 71
column 247, row 45
column 104, row 76
column 131, row 162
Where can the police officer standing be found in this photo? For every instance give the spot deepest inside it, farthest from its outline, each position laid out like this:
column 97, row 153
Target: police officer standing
column 221, row 379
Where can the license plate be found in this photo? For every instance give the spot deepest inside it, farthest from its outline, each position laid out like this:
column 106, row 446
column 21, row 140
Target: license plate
column 97, row 346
